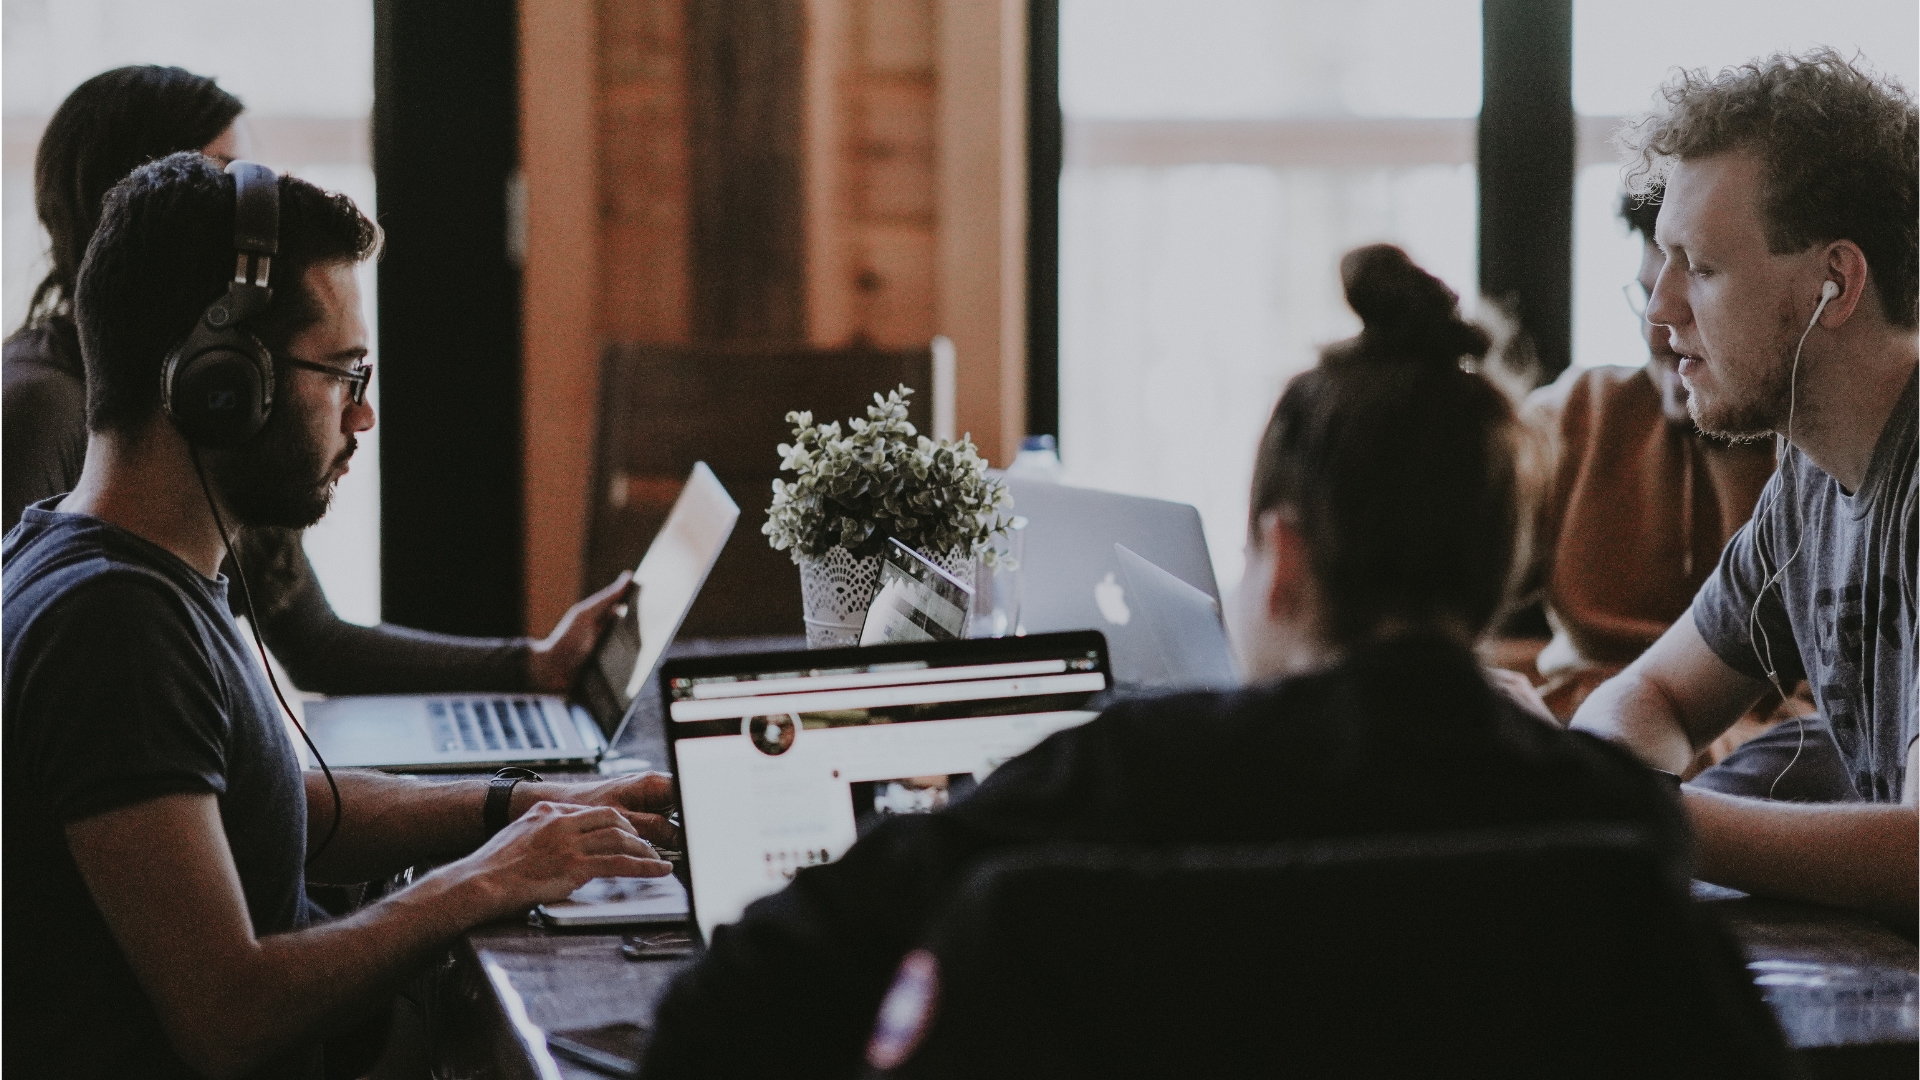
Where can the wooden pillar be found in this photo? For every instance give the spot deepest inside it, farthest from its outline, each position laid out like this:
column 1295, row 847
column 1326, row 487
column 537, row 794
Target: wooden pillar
column 560, row 294
column 748, row 243
column 981, row 169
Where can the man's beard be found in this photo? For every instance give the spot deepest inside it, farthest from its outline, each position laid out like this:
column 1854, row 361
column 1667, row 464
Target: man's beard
column 279, row 478
column 1753, row 411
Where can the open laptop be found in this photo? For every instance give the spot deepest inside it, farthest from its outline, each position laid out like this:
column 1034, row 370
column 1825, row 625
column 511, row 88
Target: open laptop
column 1190, row 649
column 1072, row 577
column 783, row 760
column 468, row 731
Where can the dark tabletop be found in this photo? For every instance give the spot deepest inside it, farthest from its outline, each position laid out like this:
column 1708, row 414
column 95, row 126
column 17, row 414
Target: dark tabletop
column 1846, row 989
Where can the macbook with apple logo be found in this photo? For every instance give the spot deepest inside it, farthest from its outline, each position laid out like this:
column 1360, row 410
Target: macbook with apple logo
column 1074, row 579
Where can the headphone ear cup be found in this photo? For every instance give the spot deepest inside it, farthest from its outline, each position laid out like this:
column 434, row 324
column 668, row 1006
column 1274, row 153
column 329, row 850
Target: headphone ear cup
column 220, row 392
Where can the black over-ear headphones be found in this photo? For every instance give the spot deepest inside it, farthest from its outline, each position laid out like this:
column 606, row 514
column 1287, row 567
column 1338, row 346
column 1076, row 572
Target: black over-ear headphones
column 218, row 385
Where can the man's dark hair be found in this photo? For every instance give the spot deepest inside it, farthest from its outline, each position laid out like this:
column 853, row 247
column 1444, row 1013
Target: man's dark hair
column 1399, row 463
column 1641, row 212
column 110, row 125
column 164, row 251
column 1840, row 149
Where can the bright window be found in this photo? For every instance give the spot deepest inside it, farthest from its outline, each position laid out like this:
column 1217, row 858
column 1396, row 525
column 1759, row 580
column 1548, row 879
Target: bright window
column 1622, row 52
column 305, row 73
column 1220, row 157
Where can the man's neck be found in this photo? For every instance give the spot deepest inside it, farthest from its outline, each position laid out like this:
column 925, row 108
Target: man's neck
column 144, row 481
column 1845, row 401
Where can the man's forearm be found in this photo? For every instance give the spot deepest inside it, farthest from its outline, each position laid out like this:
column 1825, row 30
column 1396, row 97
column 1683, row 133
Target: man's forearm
column 1635, row 714
column 389, row 823
column 1677, row 697
column 303, row 984
column 1865, row 857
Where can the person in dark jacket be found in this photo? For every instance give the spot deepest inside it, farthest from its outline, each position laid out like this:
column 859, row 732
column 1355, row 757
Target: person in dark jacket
column 1383, row 533
column 111, row 124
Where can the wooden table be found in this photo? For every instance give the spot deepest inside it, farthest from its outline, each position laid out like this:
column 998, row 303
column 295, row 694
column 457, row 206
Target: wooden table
column 1845, row 988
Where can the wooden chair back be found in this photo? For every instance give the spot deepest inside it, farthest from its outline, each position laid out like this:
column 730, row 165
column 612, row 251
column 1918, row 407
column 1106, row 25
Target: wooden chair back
column 662, row 408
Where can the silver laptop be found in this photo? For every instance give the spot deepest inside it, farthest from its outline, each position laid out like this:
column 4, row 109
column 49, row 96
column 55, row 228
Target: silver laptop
column 1189, row 637
column 467, row 732
column 783, row 760
column 1073, row 579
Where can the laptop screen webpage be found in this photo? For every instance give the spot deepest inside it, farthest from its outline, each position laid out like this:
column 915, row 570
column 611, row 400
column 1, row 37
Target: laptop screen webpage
column 783, row 766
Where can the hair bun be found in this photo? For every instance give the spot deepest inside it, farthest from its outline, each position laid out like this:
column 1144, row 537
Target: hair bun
column 1405, row 311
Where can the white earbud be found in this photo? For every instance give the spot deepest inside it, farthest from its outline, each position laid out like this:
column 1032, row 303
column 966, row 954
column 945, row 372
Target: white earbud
column 1829, row 290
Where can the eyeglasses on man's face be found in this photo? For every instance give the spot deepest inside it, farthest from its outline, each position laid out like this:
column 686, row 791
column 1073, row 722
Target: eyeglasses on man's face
column 356, row 377
column 1637, row 298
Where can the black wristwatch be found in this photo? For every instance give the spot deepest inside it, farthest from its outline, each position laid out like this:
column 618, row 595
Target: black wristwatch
column 498, row 809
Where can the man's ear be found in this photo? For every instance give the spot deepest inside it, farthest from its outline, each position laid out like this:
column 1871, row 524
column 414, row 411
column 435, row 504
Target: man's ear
column 1290, row 586
column 1846, row 266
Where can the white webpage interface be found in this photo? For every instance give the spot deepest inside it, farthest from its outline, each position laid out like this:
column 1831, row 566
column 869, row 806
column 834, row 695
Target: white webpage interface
column 786, row 770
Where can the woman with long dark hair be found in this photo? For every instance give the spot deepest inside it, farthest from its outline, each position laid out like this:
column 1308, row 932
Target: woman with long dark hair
column 110, row 125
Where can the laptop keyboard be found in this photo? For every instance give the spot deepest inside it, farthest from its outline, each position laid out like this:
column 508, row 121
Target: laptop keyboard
column 490, row 724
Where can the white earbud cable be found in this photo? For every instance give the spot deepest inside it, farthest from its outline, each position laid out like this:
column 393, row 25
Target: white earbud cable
column 1756, row 630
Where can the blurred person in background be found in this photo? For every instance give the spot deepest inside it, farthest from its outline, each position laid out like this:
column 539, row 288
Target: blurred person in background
column 110, row 125
column 1635, row 507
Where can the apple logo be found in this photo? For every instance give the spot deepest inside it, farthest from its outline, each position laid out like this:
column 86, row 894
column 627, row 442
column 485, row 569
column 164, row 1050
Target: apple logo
column 1112, row 600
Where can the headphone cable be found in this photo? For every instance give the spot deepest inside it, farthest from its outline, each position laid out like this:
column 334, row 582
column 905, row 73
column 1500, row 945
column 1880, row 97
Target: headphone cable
column 253, row 624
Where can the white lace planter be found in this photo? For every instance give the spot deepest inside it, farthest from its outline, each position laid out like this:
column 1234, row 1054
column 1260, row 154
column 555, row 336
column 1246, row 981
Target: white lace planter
column 836, row 589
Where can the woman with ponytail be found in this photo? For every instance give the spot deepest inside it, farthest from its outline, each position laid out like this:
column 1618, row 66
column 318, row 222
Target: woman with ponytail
column 1381, row 539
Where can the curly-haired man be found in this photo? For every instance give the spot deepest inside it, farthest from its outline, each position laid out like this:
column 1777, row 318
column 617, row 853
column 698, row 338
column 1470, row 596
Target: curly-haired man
column 1789, row 289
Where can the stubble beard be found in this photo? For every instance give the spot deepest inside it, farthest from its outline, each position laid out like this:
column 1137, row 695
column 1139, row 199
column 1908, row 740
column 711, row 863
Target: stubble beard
column 280, row 478
column 1756, row 410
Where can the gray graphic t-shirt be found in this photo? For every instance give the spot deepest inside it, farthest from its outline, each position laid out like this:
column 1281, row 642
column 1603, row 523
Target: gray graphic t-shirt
column 1842, row 614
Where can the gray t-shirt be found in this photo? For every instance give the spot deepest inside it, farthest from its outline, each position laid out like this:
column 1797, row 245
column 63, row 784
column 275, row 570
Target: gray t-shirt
column 126, row 680
column 1842, row 614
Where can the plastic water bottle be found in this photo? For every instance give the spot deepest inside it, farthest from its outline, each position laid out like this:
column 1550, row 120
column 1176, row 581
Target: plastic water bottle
column 1038, row 459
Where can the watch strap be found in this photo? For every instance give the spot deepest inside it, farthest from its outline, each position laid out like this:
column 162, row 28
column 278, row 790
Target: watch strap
column 497, row 810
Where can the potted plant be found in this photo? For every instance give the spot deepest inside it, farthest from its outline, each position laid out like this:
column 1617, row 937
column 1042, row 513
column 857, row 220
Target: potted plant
column 853, row 492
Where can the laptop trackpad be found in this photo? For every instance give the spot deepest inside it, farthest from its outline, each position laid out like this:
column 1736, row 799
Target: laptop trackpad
column 363, row 731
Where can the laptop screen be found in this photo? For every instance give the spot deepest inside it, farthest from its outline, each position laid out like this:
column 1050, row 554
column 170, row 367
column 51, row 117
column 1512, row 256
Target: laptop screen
column 664, row 588
column 784, row 760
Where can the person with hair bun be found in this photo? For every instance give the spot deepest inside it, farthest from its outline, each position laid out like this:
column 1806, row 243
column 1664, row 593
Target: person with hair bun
column 1381, row 538
column 110, row 125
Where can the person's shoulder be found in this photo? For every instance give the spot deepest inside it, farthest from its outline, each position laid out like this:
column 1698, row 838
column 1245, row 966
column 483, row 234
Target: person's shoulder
column 37, row 374
column 1582, row 397
column 43, row 347
column 1596, row 389
column 1575, row 760
column 43, row 402
column 1204, row 717
column 73, row 565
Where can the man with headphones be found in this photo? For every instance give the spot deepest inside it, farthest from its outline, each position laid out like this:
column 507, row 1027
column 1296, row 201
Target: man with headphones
column 159, row 828
column 1789, row 288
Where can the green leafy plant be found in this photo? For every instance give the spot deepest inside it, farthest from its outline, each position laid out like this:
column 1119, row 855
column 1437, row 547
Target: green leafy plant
column 882, row 480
